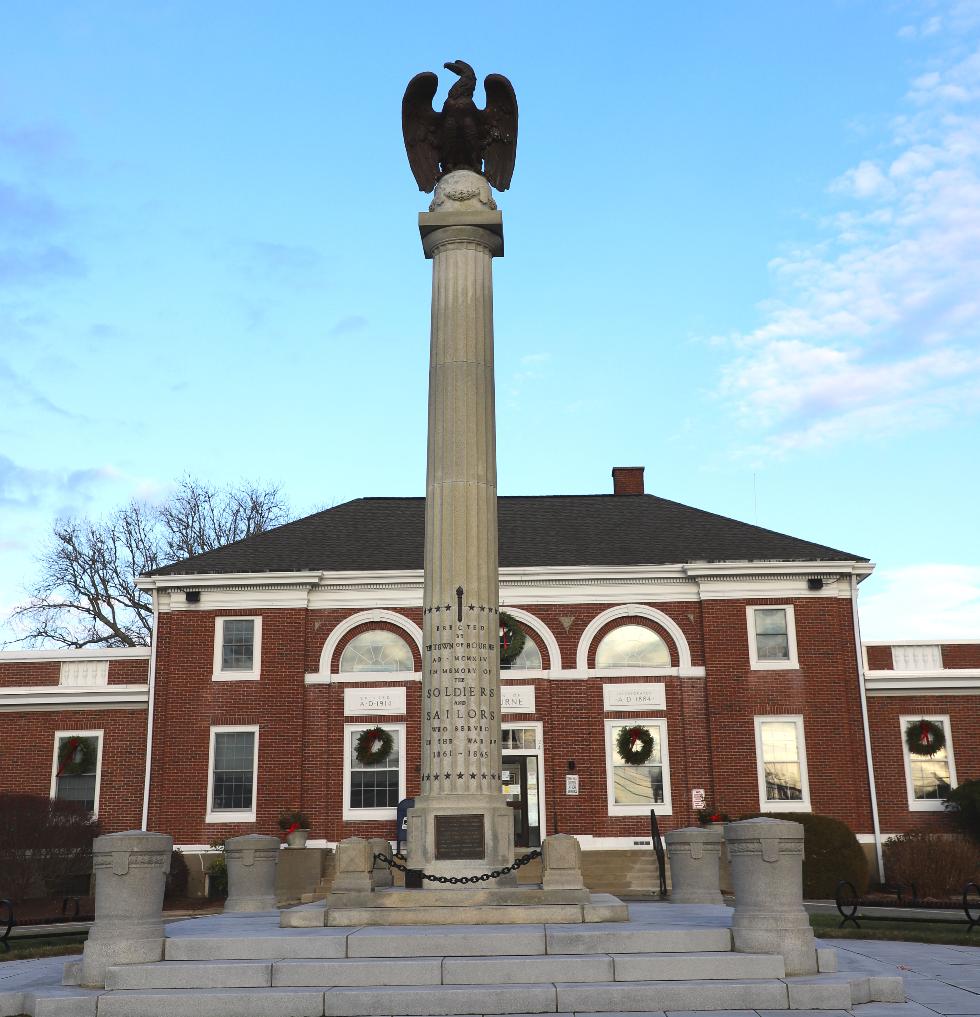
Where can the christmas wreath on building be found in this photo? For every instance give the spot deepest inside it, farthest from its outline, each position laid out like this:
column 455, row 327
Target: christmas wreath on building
column 634, row 745
column 373, row 746
column 76, row 755
column 512, row 639
column 924, row 737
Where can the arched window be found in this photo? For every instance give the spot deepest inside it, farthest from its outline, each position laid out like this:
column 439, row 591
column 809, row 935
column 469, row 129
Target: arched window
column 529, row 658
column 632, row 646
column 377, row 650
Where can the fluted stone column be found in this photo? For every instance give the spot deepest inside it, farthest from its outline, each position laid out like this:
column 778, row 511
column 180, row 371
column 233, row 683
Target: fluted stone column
column 695, row 859
column 460, row 824
column 130, row 878
column 767, row 870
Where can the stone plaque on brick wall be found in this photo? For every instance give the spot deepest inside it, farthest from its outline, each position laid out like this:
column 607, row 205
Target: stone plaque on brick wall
column 517, row 698
column 368, row 702
column 641, row 696
column 459, row 838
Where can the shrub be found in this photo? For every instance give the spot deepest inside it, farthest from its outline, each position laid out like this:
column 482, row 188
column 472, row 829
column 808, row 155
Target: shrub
column 45, row 845
column 294, row 820
column 831, row 853
column 218, row 873
column 178, row 875
column 964, row 804
column 936, row 864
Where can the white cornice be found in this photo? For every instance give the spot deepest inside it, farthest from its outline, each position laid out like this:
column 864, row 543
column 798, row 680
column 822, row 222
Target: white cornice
column 923, row 642
column 61, row 697
column 946, row 682
column 574, row 584
column 40, row 656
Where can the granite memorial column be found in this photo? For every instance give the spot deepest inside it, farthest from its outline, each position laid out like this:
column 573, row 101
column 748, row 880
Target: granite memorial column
column 461, row 824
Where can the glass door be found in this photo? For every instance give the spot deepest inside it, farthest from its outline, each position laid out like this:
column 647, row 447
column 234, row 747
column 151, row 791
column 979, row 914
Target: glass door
column 513, row 778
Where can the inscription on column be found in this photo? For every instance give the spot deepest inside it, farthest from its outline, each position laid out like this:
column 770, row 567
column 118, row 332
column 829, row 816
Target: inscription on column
column 461, row 696
column 459, row 838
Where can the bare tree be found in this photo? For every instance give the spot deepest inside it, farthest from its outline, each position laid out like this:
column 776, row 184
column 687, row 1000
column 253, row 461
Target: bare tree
column 86, row 593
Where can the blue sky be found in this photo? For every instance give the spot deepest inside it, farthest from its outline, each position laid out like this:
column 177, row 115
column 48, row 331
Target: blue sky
column 743, row 250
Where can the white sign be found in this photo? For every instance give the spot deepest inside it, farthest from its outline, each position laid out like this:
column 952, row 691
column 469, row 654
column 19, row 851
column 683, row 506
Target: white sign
column 648, row 696
column 571, row 783
column 517, row 698
column 698, row 798
column 387, row 702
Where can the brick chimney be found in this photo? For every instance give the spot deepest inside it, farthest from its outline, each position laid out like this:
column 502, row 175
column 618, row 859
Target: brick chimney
column 627, row 479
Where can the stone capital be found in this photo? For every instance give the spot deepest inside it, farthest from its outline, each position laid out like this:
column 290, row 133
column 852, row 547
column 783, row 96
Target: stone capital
column 440, row 230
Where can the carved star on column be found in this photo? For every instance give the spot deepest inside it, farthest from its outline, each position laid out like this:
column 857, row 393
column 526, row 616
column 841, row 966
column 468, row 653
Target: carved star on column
column 460, row 776
column 448, row 776
column 471, row 607
column 448, row 607
column 472, row 776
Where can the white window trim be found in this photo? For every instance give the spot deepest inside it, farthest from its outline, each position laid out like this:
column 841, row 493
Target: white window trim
column 350, row 814
column 765, row 805
column 58, row 735
column 232, row 815
column 793, row 663
column 922, row 804
column 664, row 808
column 218, row 674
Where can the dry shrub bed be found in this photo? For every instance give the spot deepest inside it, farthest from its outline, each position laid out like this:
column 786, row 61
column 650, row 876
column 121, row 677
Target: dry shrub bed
column 938, row 865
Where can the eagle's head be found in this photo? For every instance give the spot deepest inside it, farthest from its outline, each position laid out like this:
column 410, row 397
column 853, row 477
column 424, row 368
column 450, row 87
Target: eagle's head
column 462, row 68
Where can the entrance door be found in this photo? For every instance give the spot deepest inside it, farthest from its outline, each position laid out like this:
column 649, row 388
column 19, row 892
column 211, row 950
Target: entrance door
column 513, row 778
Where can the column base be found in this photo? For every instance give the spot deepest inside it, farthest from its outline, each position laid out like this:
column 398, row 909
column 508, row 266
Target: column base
column 461, row 835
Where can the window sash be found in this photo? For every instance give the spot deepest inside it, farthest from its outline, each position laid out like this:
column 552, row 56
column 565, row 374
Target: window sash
column 233, row 776
column 634, row 790
column 238, row 644
column 771, row 633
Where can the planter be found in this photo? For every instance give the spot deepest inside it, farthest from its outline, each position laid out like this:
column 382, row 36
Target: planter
column 297, row 839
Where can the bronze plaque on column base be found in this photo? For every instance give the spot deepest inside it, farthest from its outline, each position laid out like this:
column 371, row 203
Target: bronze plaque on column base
column 460, row 838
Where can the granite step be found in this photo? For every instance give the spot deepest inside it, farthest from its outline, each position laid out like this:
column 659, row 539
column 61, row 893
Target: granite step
column 544, row 969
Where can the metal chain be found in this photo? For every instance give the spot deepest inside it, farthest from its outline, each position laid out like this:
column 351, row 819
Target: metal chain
column 455, row 880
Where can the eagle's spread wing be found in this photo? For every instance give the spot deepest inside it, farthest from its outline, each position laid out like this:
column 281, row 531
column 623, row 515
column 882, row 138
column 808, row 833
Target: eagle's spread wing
column 500, row 131
column 420, row 129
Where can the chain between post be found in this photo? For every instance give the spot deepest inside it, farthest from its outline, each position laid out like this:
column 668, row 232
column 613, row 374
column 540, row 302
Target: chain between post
column 456, row 880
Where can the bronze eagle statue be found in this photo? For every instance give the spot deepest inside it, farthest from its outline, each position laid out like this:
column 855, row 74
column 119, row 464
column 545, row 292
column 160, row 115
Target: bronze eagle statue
column 462, row 136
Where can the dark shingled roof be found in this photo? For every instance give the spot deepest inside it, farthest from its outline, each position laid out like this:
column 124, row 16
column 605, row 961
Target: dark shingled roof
column 600, row 529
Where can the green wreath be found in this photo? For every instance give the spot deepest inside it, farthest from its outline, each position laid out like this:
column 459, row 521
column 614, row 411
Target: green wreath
column 634, row 745
column 924, row 737
column 512, row 638
column 76, row 755
column 373, row 746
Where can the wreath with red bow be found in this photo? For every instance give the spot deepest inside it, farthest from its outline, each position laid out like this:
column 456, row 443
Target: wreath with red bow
column 634, row 745
column 512, row 638
column 373, row 746
column 76, row 755
column 924, row 737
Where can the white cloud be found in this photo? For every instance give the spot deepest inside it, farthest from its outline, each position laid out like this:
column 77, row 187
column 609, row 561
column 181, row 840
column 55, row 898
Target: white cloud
column 922, row 602
column 876, row 329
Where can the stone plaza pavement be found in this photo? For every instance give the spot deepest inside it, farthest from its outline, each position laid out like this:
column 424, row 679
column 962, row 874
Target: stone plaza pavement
column 941, row 980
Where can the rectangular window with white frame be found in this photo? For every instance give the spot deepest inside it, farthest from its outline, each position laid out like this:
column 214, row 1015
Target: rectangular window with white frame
column 772, row 638
column 633, row 789
column 780, row 753
column 930, row 770
column 233, row 774
column 237, row 649
column 373, row 790
column 76, row 772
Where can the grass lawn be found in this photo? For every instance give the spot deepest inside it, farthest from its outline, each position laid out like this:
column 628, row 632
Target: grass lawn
column 825, row 926
column 42, row 946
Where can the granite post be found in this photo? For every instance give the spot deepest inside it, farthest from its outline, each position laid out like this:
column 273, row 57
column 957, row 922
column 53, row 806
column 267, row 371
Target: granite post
column 460, row 824
column 695, row 859
column 252, row 861
column 130, row 878
column 767, row 870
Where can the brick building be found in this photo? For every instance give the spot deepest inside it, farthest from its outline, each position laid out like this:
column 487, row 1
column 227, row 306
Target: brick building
column 734, row 649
